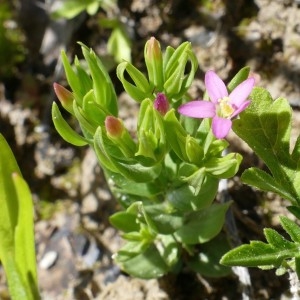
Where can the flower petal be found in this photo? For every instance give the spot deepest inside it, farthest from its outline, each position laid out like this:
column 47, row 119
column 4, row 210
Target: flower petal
column 242, row 107
column 221, row 127
column 216, row 88
column 198, row 109
column 241, row 92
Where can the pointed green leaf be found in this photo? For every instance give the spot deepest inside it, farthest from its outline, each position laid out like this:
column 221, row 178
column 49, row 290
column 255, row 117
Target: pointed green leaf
column 104, row 91
column 72, row 77
column 24, row 235
column 201, row 226
column 141, row 88
column 258, row 254
column 241, row 76
column 64, row 129
column 119, row 45
column 17, row 252
column 291, row 228
column 146, row 265
column 252, row 255
column 176, row 136
column 124, row 221
column 265, row 182
column 295, row 210
column 276, row 240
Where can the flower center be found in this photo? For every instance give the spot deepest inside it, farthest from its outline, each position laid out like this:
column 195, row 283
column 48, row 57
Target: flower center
column 225, row 109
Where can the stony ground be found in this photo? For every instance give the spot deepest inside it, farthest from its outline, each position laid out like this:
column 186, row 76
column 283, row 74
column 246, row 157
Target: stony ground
column 72, row 203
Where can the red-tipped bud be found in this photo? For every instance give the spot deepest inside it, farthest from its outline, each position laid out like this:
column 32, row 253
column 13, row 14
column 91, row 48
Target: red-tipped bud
column 117, row 133
column 114, row 126
column 161, row 103
column 64, row 96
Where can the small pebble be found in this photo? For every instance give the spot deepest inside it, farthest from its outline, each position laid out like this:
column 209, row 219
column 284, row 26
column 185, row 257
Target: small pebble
column 48, row 260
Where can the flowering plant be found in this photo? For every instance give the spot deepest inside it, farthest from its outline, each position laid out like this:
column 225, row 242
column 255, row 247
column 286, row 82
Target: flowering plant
column 166, row 174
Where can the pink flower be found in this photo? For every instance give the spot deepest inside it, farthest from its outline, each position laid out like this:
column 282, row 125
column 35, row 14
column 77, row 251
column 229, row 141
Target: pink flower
column 222, row 107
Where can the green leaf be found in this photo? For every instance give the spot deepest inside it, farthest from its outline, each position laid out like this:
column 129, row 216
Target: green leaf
column 124, row 221
column 265, row 182
column 295, row 210
column 64, row 129
column 180, row 198
column 291, row 228
column 110, row 157
column 119, row 44
column 88, row 125
column 169, row 249
column 177, row 81
column 141, row 88
column 176, row 136
column 72, row 78
column 104, row 91
column 207, row 260
column 145, row 190
column 267, row 255
column 175, row 58
column 93, row 7
column 17, row 252
column 130, row 250
column 266, row 126
column 223, row 167
column 297, row 266
column 201, row 226
column 146, row 265
column 276, row 240
column 165, row 221
column 71, row 8
column 241, row 76
column 95, row 112
column 24, row 235
column 253, row 255
column 16, row 285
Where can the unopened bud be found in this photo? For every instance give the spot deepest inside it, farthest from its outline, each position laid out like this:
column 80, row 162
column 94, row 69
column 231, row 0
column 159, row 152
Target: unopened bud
column 64, row 96
column 152, row 50
column 120, row 136
column 161, row 103
column 114, row 126
column 154, row 62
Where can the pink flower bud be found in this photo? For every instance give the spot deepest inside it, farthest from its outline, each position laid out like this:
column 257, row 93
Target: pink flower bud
column 114, row 126
column 161, row 103
column 64, row 96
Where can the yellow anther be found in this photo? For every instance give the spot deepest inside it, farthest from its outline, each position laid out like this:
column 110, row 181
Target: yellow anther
column 225, row 108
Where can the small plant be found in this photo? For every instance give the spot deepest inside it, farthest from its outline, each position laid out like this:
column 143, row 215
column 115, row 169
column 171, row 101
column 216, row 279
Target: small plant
column 166, row 176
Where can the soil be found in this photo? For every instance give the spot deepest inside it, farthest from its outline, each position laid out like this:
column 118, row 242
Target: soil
column 74, row 239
